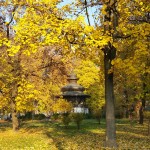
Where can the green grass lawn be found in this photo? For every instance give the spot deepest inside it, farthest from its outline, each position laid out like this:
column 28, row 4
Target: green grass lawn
column 45, row 135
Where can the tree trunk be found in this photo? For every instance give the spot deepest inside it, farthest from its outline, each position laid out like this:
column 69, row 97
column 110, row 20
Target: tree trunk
column 109, row 54
column 15, row 120
column 127, row 103
column 141, row 114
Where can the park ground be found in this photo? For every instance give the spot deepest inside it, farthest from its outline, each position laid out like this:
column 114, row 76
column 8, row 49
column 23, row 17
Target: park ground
column 46, row 135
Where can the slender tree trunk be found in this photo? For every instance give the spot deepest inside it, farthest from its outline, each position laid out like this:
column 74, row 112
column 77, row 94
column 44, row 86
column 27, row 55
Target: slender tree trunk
column 127, row 103
column 15, row 120
column 109, row 97
column 141, row 115
column 141, row 111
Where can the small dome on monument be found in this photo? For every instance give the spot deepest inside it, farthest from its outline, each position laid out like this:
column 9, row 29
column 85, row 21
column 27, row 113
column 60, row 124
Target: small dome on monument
column 72, row 85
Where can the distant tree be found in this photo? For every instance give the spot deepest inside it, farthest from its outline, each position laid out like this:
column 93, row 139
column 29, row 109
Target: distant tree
column 90, row 77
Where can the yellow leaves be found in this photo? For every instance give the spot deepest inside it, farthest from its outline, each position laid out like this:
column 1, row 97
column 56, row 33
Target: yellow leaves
column 30, row 1
column 1, row 43
column 62, row 106
column 13, row 50
column 103, row 11
column 88, row 73
column 33, row 31
column 34, row 2
column 116, row 61
column 134, row 50
column 141, row 3
column 27, row 94
column 96, row 38
column 88, row 29
column 73, row 27
column 124, row 30
column 45, row 98
column 66, row 7
column 51, row 39
column 107, row 23
column 4, row 42
column 4, row 95
column 51, row 2
column 127, row 65
column 90, row 76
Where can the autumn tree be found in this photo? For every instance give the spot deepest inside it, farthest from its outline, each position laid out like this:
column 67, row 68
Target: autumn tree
column 134, row 25
column 90, row 77
column 118, row 22
column 20, row 69
column 101, row 37
column 10, row 66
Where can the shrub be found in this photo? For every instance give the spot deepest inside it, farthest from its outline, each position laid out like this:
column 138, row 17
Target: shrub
column 39, row 116
column 55, row 116
column 78, row 117
column 88, row 116
column 27, row 116
column 66, row 119
column 31, row 115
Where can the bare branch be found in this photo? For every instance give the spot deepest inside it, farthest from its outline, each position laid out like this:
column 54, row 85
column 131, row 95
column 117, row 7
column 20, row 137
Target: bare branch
column 86, row 5
column 87, row 14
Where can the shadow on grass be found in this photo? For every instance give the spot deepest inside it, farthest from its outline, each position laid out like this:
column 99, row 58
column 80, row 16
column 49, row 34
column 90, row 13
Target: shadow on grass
column 72, row 138
column 34, row 126
column 4, row 125
column 124, row 125
column 92, row 135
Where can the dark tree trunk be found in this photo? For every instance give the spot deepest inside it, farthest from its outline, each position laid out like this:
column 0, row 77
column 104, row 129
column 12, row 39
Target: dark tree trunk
column 109, row 55
column 141, row 113
column 127, row 103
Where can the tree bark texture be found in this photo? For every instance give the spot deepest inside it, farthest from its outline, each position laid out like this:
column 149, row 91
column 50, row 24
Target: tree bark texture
column 14, row 93
column 15, row 120
column 109, row 54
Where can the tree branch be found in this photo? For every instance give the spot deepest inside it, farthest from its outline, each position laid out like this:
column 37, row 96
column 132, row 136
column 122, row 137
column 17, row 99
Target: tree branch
column 86, row 5
column 87, row 14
